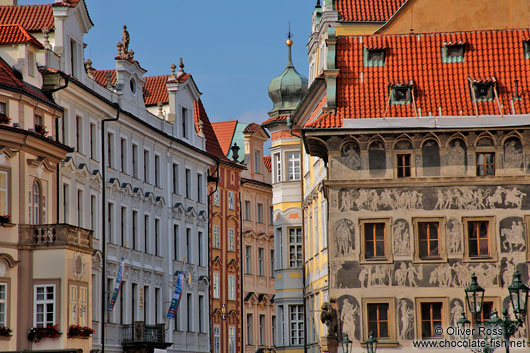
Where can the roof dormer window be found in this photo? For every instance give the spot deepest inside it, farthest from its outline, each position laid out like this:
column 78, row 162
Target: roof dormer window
column 483, row 91
column 132, row 86
column 453, row 52
column 401, row 94
column 526, row 46
column 374, row 57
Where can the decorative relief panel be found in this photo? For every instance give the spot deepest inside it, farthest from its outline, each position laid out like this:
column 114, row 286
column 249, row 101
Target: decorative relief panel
column 344, row 237
column 349, row 312
column 406, row 319
column 401, row 237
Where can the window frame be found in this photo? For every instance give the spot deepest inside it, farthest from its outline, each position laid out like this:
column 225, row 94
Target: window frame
column 231, row 282
column 6, row 302
column 215, row 286
column 7, row 189
column 483, row 152
column 397, row 156
column 44, row 302
column 261, row 262
column 388, row 241
column 444, row 315
column 300, row 325
column 277, row 166
column 299, row 258
column 259, row 213
column 216, row 242
column 291, row 164
column 492, row 243
column 230, row 200
column 442, row 247
column 231, row 239
column 391, row 315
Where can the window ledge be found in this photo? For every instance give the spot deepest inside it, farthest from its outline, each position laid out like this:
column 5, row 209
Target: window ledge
column 376, row 261
column 384, row 344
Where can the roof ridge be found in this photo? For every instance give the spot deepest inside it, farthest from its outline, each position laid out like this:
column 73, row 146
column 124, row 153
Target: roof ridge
column 432, row 33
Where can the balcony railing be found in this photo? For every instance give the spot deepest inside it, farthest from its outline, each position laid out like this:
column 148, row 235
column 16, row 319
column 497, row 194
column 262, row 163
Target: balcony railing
column 44, row 235
column 140, row 334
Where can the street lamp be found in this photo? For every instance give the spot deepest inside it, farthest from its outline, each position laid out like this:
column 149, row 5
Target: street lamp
column 371, row 343
column 474, row 297
column 464, row 326
column 346, row 344
column 519, row 296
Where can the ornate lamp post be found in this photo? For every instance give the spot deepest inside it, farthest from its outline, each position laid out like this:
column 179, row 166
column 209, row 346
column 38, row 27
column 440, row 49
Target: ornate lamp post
column 346, row 344
column 371, row 343
column 519, row 299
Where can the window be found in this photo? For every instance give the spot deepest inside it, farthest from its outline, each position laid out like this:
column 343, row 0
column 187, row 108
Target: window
column 378, row 320
column 261, row 260
column 278, row 167
column 123, row 223
column 175, row 183
column 93, row 151
column 430, row 239
column 201, row 314
column 273, row 330
column 248, row 261
column 217, row 339
column 403, row 165
column 478, row 240
column 93, row 213
column 201, row 247
column 44, row 301
column 453, row 53
column 36, row 208
column 230, row 200
column 157, row 237
column 80, row 208
column 231, row 339
column 262, row 330
column 199, row 188
column 374, row 57
column 324, row 225
column 134, row 156
column 231, row 240
column 134, row 230
column 73, row 58
column 66, row 203
column 216, row 198
column 296, row 324
column 260, row 213
column 189, row 313
column 526, row 45
column 188, row 184
column 146, row 166
column 216, row 238
column 247, row 210
column 431, row 320
column 146, row 233
column 110, row 218
column 272, row 264
column 188, row 246
column 216, row 285
column 374, row 240
column 295, row 247
column 483, row 91
column 78, row 142
column 257, row 162
column 31, row 63
column 293, row 166
column 157, row 305
column 3, row 304
column 279, row 245
column 110, row 150
column 175, row 242
column 488, row 306
column 3, row 108
column 123, row 155
column 157, row 170
column 271, row 215
column 184, row 122
column 146, row 304
column 249, row 329
column 401, row 94
column 231, row 287
column 485, row 163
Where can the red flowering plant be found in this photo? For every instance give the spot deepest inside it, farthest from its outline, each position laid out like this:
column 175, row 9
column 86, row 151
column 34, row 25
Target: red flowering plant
column 79, row 331
column 41, row 129
column 6, row 331
column 5, row 219
column 4, row 119
column 36, row 334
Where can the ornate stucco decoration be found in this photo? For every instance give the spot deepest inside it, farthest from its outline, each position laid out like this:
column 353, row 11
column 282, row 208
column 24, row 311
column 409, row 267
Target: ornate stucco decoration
column 78, row 266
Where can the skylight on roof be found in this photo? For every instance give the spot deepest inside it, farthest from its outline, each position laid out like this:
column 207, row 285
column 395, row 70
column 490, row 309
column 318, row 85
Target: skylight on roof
column 453, row 52
column 401, row 94
column 483, row 91
column 374, row 57
column 526, row 46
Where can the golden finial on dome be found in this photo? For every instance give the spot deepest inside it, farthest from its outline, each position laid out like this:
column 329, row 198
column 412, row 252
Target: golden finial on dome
column 289, row 42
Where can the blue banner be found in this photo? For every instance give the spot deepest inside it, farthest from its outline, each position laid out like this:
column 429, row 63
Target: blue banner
column 176, row 296
column 117, row 285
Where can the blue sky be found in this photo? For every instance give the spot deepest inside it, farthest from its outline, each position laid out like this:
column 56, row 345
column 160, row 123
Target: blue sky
column 233, row 48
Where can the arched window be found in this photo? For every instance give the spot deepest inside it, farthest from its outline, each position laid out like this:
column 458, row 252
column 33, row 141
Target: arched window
column 36, row 206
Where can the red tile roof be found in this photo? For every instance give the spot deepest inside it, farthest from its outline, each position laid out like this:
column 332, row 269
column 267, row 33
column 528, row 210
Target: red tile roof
column 212, row 145
column 224, row 130
column 439, row 88
column 367, row 10
column 267, row 162
column 69, row 3
column 251, row 128
column 16, row 34
column 101, row 76
column 275, row 119
column 155, row 89
column 8, row 78
column 34, row 18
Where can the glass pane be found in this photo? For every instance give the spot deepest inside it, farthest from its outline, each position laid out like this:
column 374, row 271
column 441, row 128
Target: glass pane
column 437, row 311
column 383, row 330
column 437, row 332
column 380, row 231
column 483, row 229
column 372, row 312
column 425, row 311
column 484, row 247
column 434, row 248
column 426, row 329
column 380, row 249
column 383, row 312
column 369, row 249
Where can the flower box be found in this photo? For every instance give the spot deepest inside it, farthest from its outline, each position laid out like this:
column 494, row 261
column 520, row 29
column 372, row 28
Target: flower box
column 37, row 334
column 6, row 331
column 41, row 129
column 5, row 219
column 77, row 331
column 4, row 119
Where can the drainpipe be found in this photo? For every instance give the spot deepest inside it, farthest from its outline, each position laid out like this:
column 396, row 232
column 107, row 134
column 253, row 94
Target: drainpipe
column 104, row 225
column 216, row 179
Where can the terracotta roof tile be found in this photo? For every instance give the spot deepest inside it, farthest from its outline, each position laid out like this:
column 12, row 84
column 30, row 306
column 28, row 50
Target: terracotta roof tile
column 367, row 10
column 251, row 128
column 34, row 18
column 16, row 34
column 267, row 162
column 224, row 130
column 101, row 76
column 8, row 78
column 439, row 88
column 212, row 145
column 155, row 89
column 275, row 119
